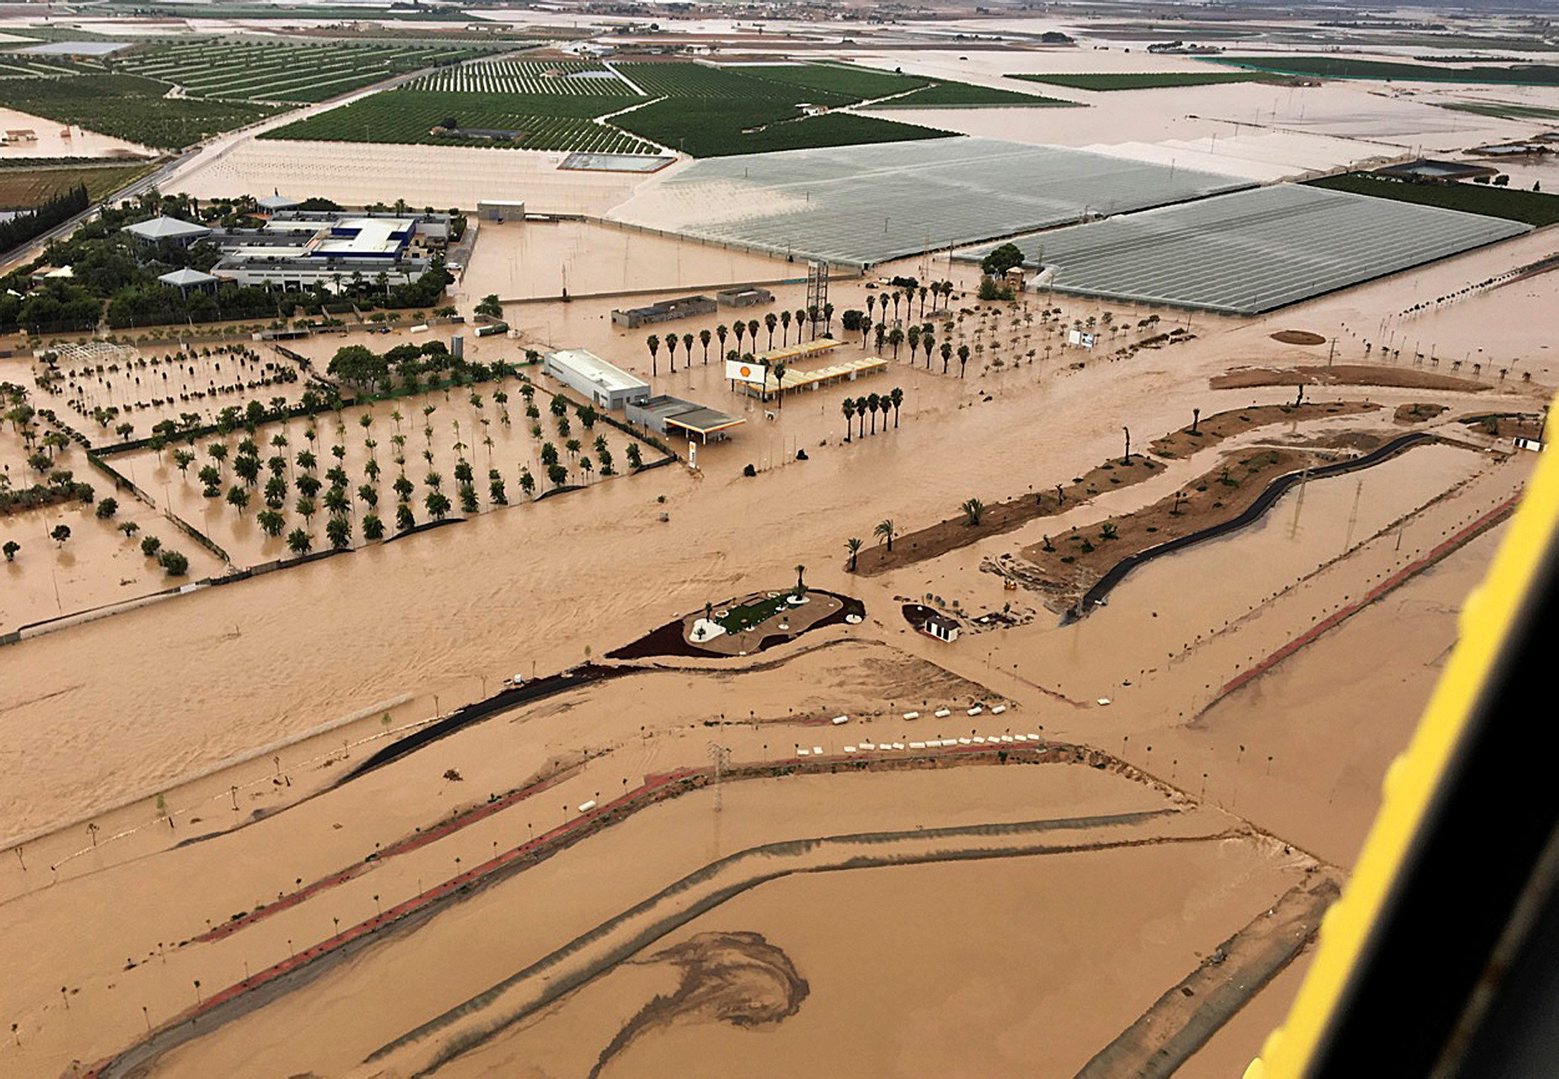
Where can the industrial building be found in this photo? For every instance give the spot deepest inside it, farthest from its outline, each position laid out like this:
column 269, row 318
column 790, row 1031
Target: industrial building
column 499, row 210
column 297, row 249
column 605, row 384
column 664, row 311
column 744, row 296
column 672, row 415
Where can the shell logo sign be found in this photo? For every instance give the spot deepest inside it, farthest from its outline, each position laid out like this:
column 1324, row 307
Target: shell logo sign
column 737, row 371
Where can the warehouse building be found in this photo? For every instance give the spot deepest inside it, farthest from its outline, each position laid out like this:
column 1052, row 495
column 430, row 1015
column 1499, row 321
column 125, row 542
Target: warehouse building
column 500, row 210
column 745, row 296
column 605, row 384
column 297, row 249
column 664, row 311
column 672, row 415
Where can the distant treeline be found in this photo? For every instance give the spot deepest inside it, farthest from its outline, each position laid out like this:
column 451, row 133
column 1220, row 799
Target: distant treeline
column 30, row 226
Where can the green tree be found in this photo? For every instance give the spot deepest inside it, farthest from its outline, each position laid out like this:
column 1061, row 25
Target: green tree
column 299, row 542
column 59, row 534
column 150, row 545
column 847, row 406
column 896, row 398
column 373, row 527
column 973, row 509
column 437, row 504
column 173, row 563
column 853, row 545
column 339, row 531
column 238, row 497
column 1002, row 259
column 107, row 508
column 490, row 307
column 885, row 532
column 10, row 550
column 270, row 522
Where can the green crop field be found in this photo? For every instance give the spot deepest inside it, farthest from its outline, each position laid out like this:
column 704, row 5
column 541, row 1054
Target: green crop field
column 26, row 185
column 1532, row 207
column 1145, row 80
column 128, row 107
column 545, row 121
column 281, row 72
column 1347, row 67
column 967, row 95
column 571, row 77
column 17, row 66
column 701, row 109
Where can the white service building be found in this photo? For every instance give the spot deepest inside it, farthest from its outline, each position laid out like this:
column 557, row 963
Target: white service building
column 605, row 384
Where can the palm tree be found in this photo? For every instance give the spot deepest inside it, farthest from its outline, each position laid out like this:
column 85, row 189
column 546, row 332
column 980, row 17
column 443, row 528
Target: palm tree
column 895, row 338
column 947, row 354
column 801, row 585
column 927, row 342
column 879, row 334
column 973, row 509
column 741, row 332
column 828, row 319
column 1196, row 418
column 671, row 351
column 752, row 332
column 687, row 348
column 860, row 411
column 923, row 291
column 704, row 337
column 963, row 359
column 801, row 322
column 853, row 545
column 784, row 318
column 885, row 530
column 779, row 383
column 720, row 332
column 914, row 342
column 873, row 402
column 653, row 341
column 847, row 406
column 1127, row 459
column 771, row 320
column 884, row 405
column 896, row 397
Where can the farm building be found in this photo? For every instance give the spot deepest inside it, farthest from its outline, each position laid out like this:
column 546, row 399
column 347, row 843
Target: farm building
column 664, row 311
column 500, row 210
column 605, row 384
column 158, row 229
column 672, row 415
column 748, row 296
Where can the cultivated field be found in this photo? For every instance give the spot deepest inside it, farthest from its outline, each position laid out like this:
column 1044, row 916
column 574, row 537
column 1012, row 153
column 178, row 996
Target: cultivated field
column 527, row 77
column 23, row 185
column 130, row 107
column 17, row 66
column 537, row 121
column 1146, row 80
column 271, row 71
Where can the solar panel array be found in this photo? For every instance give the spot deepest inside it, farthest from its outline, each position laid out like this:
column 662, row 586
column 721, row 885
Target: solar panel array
column 1252, row 251
column 866, row 204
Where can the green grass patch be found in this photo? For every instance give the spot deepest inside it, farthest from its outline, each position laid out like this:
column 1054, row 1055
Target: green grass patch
column 128, row 107
column 963, row 94
column 545, row 121
column 1531, row 207
column 1145, row 80
column 711, row 128
column 1347, row 67
column 743, row 617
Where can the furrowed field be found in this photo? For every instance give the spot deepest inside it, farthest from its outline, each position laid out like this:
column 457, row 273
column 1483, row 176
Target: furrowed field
column 544, row 122
column 283, row 73
column 700, row 109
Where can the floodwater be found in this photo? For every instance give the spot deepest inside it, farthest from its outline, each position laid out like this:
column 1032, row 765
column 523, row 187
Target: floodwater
column 422, row 615
column 55, row 139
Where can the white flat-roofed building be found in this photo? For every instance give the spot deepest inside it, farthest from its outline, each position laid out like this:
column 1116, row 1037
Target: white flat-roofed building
column 605, row 384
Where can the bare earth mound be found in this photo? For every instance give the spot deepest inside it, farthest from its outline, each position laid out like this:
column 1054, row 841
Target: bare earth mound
column 1342, row 374
column 1298, row 337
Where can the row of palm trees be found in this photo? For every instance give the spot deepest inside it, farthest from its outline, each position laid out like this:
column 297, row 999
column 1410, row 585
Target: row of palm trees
column 870, row 405
column 885, row 531
column 920, row 339
column 937, row 290
column 743, row 331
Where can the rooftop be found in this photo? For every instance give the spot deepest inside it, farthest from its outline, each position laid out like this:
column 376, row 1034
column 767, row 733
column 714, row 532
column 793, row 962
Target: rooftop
column 185, row 277
column 603, row 373
column 689, row 415
column 166, row 228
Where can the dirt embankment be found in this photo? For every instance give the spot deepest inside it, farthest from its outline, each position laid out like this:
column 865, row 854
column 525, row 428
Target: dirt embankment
column 1342, row 374
column 1064, row 567
column 955, row 532
column 1211, row 430
column 1417, row 412
column 1298, row 337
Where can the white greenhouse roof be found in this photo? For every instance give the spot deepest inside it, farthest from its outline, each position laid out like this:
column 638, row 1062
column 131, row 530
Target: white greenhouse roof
column 1256, row 250
column 166, row 228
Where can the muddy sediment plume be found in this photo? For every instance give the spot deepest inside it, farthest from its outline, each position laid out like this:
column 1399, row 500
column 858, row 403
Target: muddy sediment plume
column 737, row 978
